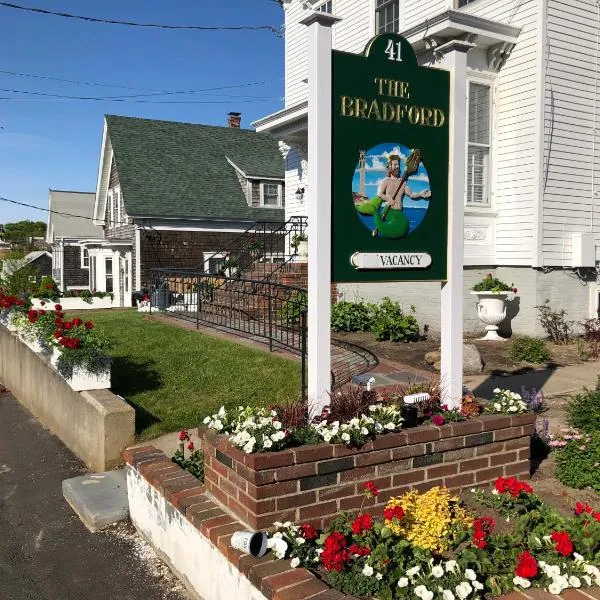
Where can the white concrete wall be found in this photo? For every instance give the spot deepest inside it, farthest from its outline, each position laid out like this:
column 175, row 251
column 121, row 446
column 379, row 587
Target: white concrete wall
column 193, row 558
column 571, row 176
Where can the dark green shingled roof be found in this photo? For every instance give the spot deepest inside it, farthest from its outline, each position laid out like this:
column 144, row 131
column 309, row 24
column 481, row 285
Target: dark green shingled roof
column 169, row 169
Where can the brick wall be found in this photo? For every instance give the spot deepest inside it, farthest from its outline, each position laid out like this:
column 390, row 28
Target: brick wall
column 74, row 275
column 296, row 275
column 315, row 483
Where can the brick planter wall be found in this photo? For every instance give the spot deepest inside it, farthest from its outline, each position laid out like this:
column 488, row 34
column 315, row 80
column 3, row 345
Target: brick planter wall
column 314, row 483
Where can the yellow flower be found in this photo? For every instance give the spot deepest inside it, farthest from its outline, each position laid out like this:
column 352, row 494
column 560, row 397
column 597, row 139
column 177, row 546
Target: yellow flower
column 429, row 518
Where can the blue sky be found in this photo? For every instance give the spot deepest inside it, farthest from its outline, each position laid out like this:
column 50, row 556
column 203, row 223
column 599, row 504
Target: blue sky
column 376, row 171
column 56, row 143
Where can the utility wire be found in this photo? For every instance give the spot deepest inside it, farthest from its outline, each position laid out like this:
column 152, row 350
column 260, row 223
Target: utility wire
column 156, row 91
column 270, row 28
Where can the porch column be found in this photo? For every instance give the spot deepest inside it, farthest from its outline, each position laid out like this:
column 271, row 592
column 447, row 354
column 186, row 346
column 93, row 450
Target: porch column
column 453, row 56
column 319, row 209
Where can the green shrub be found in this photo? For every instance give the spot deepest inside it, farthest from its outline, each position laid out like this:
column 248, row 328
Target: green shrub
column 391, row 323
column 292, row 309
column 577, row 463
column 529, row 349
column 352, row 316
column 583, row 411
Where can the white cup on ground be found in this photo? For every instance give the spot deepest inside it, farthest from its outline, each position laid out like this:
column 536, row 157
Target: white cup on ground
column 250, row 542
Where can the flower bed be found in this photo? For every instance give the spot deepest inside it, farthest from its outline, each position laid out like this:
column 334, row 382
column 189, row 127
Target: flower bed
column 315, row 482
column 76, row 303
column 430, row 546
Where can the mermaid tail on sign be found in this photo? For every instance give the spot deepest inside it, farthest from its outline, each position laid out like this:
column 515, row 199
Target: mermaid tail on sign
column 369, row 207
column 394, row 226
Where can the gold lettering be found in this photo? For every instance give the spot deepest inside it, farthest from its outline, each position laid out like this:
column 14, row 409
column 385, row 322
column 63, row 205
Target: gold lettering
column 400, row 112
column 347, row 108
column 389, row 111
column 439, row 118
column 426, row 115
column 374, row 108
column 414, row 113
column 361, row 108
column 381, row 82
column 404, row 93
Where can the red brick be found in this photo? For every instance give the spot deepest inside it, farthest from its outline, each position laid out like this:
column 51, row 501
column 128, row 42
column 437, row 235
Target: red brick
column 269, row 460
column 507, row 434
column 224, row 530
column 423, row 434
column 129, row 454
column 408, row 451
column 459, row 480
column 341, row 450
column 313, row 453
column 247, row 561
column 592, row 592
column 296, row 471
column 520, row 468
column 217, row 492
column 196, row 518
column 453, row 455
column 360, row 474
column 427, row 485
column 489, row 449
column 296, row 500
column 156, row 463
column 318, row 510
column 271, row 585
column 235, row 454
column 488, row 474
column 140, row 459
column 523, row 419
column 391, row 440
column 220, row 468
column 234, row 556
column 384, row 496
column 525, row 454
column 312, row 589
column 258, row 507
column 224, row 541
column 184, row 503
column 331, row 594
column 238, row 509
column 266, row 521
column 451, row 443
column 445, row 430
column 173, row 492
column 467, row 427
column 474, row 464
column 394, row 466
column 410, row 477
column 335, row 492
column 238, row 481
column 229, row 488
column 255, row 477
column 259, row 572
column 272, row 490
column 208, row 524
column 442, row 471
column 572, row 594
column 493, row 422
column 503, row 459
column 211, row 476
column 515, row 596
column 517, row 444
column 155, row 478
column 373, row 458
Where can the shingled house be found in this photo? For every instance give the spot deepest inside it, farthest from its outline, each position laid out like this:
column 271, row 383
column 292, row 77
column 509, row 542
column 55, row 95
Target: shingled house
column 174, row 194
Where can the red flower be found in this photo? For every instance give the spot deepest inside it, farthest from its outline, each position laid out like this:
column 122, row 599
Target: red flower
column 42, row 312
column 515, row 290
column 89, row 325
column 183, row 435
column 335, row 554
column 395, row 512
column 526, row 566
column 479, row 539
column 513, row 486
column 596, row 516
column 564, row 545
column 438, row 420
column 57, row 307
column 370, row 489
column 483, row 526
column 580, row 507
column 359, row 550
column 309, row 532
column 77, row 322
column 362, row 523
column 68, row 325
column 190, row 446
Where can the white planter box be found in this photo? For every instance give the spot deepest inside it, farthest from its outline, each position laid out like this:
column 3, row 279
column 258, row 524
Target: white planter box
column 34, row 345
column 84, row 380
column 73, row 303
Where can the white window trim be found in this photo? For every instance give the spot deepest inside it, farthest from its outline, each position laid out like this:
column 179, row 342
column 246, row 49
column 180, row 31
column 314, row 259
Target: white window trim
column 318, row 5
column 262, row 195
column 374, row 18
column 83, row 265
column 489, row 208
column 206, row 256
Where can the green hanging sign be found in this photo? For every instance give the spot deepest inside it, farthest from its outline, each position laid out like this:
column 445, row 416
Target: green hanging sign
column 390, row 165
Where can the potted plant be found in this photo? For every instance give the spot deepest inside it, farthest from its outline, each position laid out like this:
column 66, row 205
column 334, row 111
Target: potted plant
column 229, row 266
column 80, row 354
column 11, row 308
column 300, row 245
column 491, row 306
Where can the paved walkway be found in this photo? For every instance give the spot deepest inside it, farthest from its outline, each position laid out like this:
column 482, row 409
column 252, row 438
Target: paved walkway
column 46, row 553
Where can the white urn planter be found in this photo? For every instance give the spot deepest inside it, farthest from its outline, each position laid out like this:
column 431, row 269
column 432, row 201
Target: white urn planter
column 303, row 250
column 491, row 310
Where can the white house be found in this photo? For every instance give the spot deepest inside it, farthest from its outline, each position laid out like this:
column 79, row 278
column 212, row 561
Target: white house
column 531, row 204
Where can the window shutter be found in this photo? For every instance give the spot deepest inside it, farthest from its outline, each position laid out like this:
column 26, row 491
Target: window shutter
column 478, row 155
column 479, row 113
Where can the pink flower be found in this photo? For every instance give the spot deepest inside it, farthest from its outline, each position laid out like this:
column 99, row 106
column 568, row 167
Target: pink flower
column 438, row 420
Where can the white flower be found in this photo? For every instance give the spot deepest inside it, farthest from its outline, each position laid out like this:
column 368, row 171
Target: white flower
column 278, row 545
column 277, row 425
column 477, row 585
column 421, row 591
column 497, row 406
column 587, row 579
column 437, row 571
column 496, row 390
column 451, row 566
column 554, row 588
column 413, row 571
column 221, row 412
column 522, row 582
column 448, row 595
column 495, row 492
column 346, row 437
column 577, row 557
column 267, row 444
column 463, row 590
column 403, row 582
column 249, row 447
column 295, row 562
column 470, row 574
column 379, row 576
column 574, row 581
column 217, row 425
column 207, row 420
column 364, row 431
column 367, row 570
column 427, row 595
column 300, row 541
column 390, row 426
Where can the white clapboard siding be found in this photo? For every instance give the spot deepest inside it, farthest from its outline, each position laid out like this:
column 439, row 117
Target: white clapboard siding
column 293, row 181
column 416, row 11
column 515, row 142
column 355, row 29
column 571, row 111
column 296, row 70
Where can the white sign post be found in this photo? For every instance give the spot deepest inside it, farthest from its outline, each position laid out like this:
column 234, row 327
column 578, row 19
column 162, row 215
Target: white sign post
column 319, row 209
column 454, row 58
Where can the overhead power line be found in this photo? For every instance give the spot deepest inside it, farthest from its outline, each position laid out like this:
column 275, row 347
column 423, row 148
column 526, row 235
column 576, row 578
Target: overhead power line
column 145, row 25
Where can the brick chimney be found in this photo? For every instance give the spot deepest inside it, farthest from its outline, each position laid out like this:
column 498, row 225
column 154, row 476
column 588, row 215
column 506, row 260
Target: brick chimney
column 234, row 120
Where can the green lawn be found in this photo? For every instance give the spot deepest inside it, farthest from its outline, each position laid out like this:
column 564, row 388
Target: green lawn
column 175, row 377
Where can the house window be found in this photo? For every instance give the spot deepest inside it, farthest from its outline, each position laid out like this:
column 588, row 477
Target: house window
column 117, row 201
column 460, row 3
column 478, row 152
column 213, row 262
column 110, row 210
column 387, row 16
column 270, row 194
column 85, row 258
column 325, row 7
column 108, row 269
